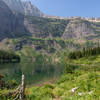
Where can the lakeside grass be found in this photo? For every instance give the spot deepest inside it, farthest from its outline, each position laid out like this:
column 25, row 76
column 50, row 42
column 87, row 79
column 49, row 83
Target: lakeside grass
column 87, row 83
column 85, row 78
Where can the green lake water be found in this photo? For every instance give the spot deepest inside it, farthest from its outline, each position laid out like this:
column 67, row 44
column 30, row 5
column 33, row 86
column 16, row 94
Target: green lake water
column 14, row 71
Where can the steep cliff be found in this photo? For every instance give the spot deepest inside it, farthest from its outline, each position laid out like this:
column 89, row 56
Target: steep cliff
column 26, row 20
column 6, row 20
column 23, row 7
column 10, row 25
column 78, row 28
column 31, row 10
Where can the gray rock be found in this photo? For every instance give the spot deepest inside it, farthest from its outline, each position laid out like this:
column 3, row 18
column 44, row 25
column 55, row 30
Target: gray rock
column 78, row 28
column 6, row 20
column 24, row 7
column 10, row 25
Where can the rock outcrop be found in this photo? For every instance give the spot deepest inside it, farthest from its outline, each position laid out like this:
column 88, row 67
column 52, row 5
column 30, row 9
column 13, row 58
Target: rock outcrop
column 77, row 29
column 10, row 25
column 6, row 20
column 24, row 7
column 22, row 18
column 31, row 10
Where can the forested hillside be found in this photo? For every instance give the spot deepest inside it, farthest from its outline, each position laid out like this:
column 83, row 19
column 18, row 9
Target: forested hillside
column 8, row 57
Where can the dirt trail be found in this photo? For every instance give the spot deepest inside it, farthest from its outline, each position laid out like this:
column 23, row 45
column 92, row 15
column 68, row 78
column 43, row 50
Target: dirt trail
column 42, row 83
column 56, row 99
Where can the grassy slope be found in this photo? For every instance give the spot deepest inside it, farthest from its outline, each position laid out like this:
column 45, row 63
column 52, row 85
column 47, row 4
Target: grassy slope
column 53, row 27
column 85, row 77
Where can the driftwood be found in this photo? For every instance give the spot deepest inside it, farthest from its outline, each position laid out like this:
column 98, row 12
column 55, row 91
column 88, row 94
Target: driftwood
column 20, row 91
column 17, row 94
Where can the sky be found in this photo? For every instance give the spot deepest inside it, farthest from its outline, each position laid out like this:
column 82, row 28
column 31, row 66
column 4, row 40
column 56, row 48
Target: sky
column 67, row 8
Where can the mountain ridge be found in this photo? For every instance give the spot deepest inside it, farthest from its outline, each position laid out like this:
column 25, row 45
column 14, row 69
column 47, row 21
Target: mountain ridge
column 42, row 26
column 23, row 7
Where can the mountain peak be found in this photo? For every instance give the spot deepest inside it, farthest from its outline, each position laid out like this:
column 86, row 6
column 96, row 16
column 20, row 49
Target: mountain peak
column 24, row 6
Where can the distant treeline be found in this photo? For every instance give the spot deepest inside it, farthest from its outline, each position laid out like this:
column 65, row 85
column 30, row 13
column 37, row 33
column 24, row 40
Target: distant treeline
column 84, row 53
column 8, row 57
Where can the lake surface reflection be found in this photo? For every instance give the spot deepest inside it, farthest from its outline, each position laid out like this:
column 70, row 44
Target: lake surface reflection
column 32, row 76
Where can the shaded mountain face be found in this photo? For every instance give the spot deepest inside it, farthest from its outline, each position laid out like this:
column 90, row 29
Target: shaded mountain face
column 23, row 7
column 14, row 5
column 6, row 20
column 10, row 25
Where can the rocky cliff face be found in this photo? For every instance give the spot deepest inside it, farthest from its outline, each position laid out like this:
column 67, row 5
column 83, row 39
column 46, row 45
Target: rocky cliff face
column 16, row 24
column 10, row 25
column 78, row 28
column 14, row 5
column 33, row 28
column 6, row 20
column 31, row 10
column 24, row 7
